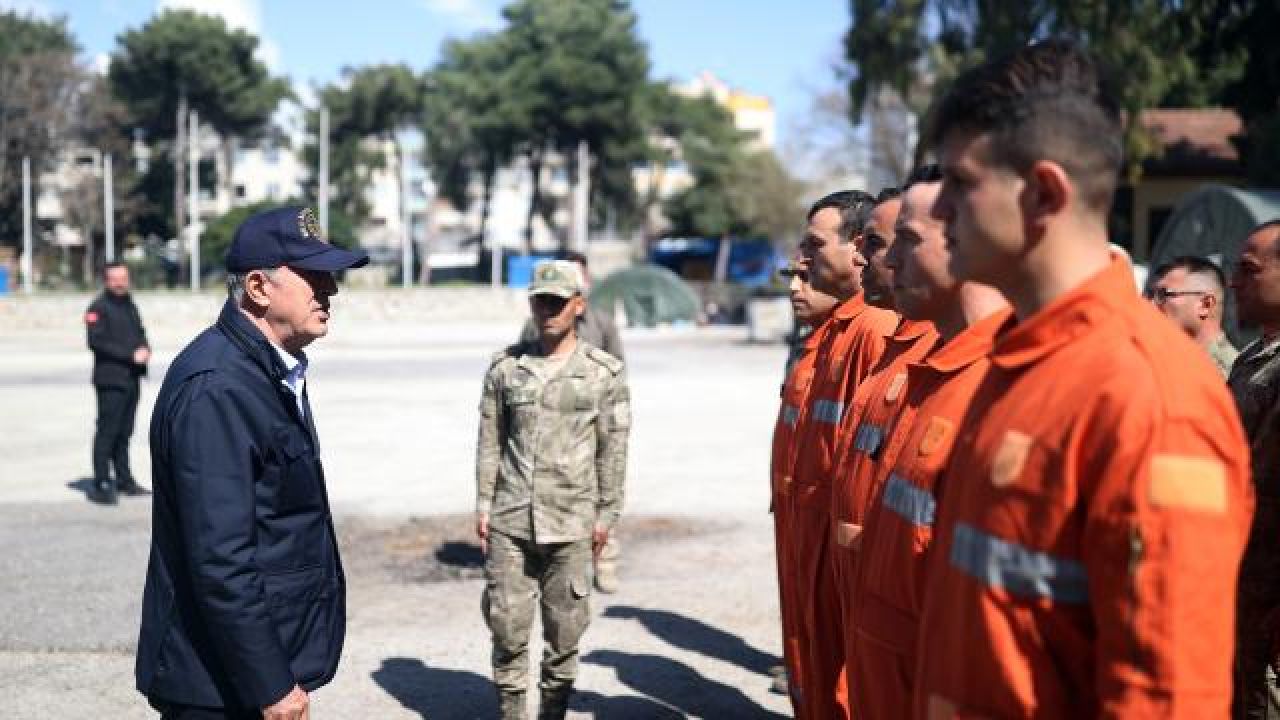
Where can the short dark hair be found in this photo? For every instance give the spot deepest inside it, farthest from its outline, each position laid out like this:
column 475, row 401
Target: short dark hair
column 929, row 173
column 1047, row 101
column 574, row 256
column 888, row 193
column 1195, row 265
column 854, row 207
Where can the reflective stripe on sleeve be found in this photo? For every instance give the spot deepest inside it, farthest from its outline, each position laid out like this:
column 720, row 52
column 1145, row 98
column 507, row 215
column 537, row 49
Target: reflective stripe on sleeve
column 828, row 411
column 790, row 415
column 1019, row 570
column 915, row 504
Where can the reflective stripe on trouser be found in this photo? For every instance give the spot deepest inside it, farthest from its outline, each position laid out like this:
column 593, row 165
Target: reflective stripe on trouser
column 790, row 415
column 828, row 411
column 868, row 439
column 1016, row 569
column 519, row 572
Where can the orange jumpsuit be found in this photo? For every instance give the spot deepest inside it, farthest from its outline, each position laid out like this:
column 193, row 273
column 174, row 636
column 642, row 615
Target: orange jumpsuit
column 880, row 637
column 795, row 391
column 1093, row 516
column 865, row 446
column 851, row 348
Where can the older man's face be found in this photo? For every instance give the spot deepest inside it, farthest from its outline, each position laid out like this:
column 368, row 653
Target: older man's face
column 298, row 307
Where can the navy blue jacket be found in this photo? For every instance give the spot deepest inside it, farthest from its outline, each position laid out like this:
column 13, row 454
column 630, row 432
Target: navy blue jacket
column 115, row 331
column 245, row 593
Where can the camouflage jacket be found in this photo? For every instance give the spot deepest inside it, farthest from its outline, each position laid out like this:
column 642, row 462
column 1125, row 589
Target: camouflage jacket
column 552, row 452
column 1224, row 354
column 1255, row 383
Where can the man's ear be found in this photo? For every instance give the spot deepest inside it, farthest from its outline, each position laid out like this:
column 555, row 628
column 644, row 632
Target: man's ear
column 1208, row 302
column 1047, row 193
column 255, row 288
column 580, row 307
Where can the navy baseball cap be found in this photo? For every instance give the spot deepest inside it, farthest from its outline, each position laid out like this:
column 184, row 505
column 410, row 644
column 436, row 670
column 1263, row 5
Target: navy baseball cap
column 287, row 236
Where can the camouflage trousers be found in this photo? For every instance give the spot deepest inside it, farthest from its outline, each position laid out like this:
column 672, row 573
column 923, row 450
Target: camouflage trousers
column 520, row 577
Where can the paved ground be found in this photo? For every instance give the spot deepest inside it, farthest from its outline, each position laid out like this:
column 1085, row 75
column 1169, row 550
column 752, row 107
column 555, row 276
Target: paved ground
column 691, row 634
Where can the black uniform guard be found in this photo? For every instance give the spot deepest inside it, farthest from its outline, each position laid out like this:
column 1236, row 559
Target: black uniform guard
column 115, row 336
column 245, row 595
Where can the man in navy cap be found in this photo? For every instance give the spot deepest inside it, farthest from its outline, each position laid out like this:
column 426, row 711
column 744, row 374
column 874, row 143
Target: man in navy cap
column 244, row 608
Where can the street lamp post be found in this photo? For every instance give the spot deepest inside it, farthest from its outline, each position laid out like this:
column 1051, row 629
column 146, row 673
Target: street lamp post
column 28, row 285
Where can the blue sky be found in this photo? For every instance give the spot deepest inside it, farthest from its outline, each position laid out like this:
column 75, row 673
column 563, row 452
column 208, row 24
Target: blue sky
column 770, row 47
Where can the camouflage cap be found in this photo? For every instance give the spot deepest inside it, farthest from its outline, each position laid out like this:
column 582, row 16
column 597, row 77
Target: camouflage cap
column 556, row 277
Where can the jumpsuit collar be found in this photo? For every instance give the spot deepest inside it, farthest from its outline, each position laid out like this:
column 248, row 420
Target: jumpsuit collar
column 1076, row 313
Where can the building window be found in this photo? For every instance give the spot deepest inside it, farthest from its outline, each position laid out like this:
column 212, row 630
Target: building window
column 240, row 193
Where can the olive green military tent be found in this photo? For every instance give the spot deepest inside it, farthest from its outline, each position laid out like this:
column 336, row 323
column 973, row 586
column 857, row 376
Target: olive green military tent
column 648, row 295
column 1213, row 222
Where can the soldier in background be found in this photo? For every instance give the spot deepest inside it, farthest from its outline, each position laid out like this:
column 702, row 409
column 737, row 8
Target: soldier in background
column 120, row 355
column 558, row 410
column 597, row 328
column 1255, row 383
column 1192, row 292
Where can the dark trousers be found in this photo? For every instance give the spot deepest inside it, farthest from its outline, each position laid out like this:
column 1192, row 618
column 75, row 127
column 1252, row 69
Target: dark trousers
column 174, row 711
column 116, row 409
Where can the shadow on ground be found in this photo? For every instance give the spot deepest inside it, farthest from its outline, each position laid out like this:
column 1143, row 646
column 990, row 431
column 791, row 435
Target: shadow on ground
column 678, row 689
column 437, row 693
column 460, row 555
column 697, row 636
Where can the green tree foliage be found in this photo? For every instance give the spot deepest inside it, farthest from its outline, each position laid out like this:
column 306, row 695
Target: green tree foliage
column 579, row 70
column 39, row 80
column 916, row 46
column 1247, row 27
column 471, row 119
column 182, row 59
column 374, row 103
column 737, row 190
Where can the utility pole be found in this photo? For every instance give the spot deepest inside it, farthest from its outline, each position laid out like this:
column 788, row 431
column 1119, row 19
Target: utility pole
column 193, row 198
column 581, row 198
column 406, row 236
column 108, row 209
column 322, row 191
column 27, row 282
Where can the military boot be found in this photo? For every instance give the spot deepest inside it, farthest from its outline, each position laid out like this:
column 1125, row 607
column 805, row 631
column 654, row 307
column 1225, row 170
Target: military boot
column 554, row 705
column 512, row 706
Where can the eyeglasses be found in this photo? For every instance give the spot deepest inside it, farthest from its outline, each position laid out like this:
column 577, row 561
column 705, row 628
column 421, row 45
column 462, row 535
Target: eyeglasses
column 1161, row 295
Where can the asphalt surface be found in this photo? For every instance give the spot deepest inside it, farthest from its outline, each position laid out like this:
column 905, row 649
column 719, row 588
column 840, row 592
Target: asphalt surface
column 692, row 632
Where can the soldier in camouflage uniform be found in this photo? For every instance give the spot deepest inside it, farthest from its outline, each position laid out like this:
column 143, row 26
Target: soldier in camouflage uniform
column 1192, row 292
column 551, row 459
column 1255, row 383
column 596, row 327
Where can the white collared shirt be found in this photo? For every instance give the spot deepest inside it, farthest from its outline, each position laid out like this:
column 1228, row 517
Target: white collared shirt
column 296, row 376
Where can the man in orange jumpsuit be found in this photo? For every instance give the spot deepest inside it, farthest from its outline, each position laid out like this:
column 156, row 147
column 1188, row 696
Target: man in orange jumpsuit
column 880, row 635
column 811, row 308
column 852, row 346
column 865, row 443
column 1096, row 504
